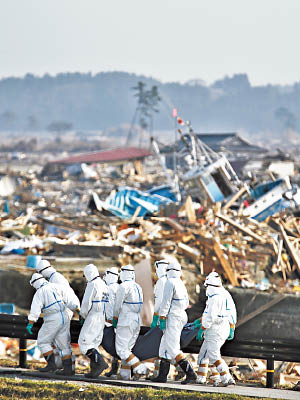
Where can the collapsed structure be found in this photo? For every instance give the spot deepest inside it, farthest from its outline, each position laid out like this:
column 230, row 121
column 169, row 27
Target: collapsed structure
column 128, row 210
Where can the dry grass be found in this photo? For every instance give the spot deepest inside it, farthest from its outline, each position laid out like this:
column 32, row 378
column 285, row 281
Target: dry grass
column 29, row 389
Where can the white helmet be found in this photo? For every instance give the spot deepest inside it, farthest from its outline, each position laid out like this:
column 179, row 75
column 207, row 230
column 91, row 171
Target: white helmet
column 90, row 272
column 161, row 267
column 37, row 280
column 127, row 273
column 213, row 279
column 45, row 268
column 111, row 275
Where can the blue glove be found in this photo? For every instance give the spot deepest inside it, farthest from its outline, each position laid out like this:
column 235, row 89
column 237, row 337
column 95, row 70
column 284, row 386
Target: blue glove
column 200, row 334
column 154, row 321
column 196, row 323
column 81, row 320
column 28, row 327
column 162, row 324
column 114, row 322
column 231, row 334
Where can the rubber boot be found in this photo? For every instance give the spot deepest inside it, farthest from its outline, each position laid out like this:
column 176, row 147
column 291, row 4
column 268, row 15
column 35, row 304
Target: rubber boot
column 51, row 366
column 114, row 368
column 297, row 387
column 97, row 363
column 164, row 369
column 180, row 373
column 191, row 377
column 67, row 368
column 156, row 370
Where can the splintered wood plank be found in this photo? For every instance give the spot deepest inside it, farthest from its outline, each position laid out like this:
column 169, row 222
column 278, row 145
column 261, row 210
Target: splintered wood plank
column 235, row 197
column 243, row 229
column 189, row 209
column 293, row 252
column 225, row 264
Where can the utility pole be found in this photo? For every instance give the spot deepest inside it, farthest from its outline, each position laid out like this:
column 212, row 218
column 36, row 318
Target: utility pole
column 147, row 102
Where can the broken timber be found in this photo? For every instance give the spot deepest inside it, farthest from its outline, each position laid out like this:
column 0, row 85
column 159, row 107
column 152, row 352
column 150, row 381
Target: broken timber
column 290, row 248
column 225, row 264
column 212, row 244
column 243, row 229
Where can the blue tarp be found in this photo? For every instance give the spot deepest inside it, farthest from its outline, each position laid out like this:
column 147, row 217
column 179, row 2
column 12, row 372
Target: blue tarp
column 163, row 191
column 7, row 308
column 126, row 200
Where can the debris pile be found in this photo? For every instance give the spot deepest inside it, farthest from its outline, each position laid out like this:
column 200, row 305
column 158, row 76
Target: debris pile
column 68, row 221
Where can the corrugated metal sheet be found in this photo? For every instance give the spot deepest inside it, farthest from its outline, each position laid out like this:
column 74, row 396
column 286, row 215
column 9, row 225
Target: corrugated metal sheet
column 129, row 153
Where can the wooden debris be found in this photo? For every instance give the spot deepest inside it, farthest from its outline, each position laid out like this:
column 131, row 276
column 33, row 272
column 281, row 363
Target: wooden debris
column 290, row 248
column 190, row 210
column 235, row 197
column 245, row 230
column 191, row 252
column 225, row 264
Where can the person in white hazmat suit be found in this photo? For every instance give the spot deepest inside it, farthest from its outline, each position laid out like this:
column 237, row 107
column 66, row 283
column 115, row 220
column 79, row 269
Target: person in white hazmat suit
column 216, row 326
column 161, row 273
column 111, row 279
column 127, row 321
column 172, row 318
column 92, row 312
column 52, row 300
column 45, row 268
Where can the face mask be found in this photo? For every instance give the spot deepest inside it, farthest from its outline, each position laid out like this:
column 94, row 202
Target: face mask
column 38, row 282
column 173, row 273
column 110, row 277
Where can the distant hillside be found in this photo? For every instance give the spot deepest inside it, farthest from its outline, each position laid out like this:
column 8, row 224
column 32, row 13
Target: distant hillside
column 107, row 99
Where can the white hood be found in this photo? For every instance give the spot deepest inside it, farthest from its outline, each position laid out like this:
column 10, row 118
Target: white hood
column 37, row 280
column 211, row 290
column 90, row 272
column 213, row 284
column 174, row 270
column 161, row 268
column 111, row 275
column 48, row 272
column 173, row 274
column 213, row 279
column 127, row 273
column 44, row 268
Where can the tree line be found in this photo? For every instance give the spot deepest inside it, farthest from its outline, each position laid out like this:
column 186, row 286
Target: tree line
column 98, row 102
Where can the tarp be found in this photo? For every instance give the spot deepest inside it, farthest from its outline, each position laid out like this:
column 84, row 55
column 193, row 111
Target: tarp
column 126, row 200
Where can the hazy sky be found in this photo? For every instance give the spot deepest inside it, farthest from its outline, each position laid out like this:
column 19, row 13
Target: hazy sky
column 171, row 40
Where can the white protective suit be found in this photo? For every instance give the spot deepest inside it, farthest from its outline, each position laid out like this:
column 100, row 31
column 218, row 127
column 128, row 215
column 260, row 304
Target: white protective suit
column 174, row 303
column 219, row 315
column 53, row 276
column 127, row 309
column 92, row 310
column 52, row 300
column 161, row 267
column 161, row 272
column 111, row 279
